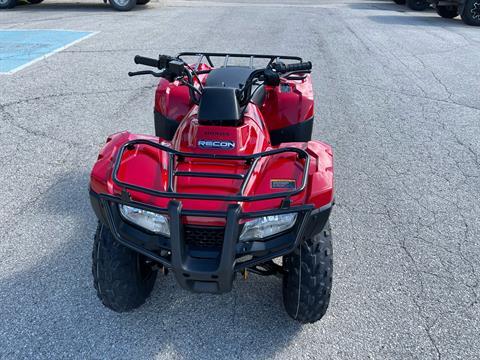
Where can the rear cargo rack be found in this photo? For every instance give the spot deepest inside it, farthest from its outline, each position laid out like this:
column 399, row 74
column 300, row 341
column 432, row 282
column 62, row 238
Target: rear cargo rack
column 226, row 56
column 173, row 154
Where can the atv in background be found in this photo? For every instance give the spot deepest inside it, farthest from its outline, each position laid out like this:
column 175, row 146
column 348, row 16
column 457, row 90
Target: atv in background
column 120, row 5
column 469, row 10
column 417, row 5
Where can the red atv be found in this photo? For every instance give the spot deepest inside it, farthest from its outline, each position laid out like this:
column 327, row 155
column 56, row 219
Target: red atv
column 230, row 181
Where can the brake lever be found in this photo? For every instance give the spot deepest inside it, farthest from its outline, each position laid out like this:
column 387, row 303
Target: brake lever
column 291, row 77
column 145, row 72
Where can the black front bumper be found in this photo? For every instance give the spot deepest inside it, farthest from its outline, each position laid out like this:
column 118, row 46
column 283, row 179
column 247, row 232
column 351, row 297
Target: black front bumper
column 206, row 269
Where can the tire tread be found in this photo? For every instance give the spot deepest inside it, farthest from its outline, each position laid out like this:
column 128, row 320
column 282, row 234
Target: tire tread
column 115, row 275
column 309, row 269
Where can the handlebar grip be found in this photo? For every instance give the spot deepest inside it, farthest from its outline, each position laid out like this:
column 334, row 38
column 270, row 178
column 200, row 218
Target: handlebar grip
column 146, row 61
column 298, row 67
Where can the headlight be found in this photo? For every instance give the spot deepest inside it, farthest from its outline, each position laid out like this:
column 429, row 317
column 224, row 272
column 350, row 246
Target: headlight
column 146, row 219
column 263, row 227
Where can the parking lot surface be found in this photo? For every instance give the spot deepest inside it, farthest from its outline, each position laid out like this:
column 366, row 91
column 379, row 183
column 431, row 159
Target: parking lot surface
column 398, row 97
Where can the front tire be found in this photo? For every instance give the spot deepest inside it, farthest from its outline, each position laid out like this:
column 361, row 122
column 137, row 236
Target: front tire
column 7, row 4
column 471, row 12
column 123, row 5
column 447, row 12
column 123, row 279
column 418, row 5
column 307, row 279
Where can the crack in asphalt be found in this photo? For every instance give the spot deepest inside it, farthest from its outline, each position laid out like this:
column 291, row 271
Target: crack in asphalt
column 8, row 118
column 76, row 93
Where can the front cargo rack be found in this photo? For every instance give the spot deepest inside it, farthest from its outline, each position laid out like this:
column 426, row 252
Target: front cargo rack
column 226, row 57
column 173, row 154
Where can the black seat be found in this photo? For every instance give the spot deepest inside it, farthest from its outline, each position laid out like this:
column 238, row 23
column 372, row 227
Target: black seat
column 219, row 106
column 235, row 77
column 231, row 76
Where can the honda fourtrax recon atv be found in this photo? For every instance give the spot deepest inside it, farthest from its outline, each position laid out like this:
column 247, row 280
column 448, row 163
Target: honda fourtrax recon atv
column 230, row 181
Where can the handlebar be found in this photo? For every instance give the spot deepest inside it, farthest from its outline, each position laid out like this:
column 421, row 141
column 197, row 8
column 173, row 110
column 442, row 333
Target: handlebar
column 160, row 63
column 146, row 61
column 282, row 68
column 174, row 68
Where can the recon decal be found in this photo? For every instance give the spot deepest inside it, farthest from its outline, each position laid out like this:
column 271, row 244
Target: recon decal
column 216, row 144
column 282, row 184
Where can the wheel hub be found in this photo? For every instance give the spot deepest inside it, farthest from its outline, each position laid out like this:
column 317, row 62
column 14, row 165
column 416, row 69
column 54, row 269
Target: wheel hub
column 3, row 2
column 475, row 10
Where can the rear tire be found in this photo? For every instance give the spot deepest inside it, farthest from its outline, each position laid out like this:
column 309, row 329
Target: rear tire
column 471, row 12
column 399, row 2
column 122, row 277
column 307, row 279
column 142, row 2
column 447, row 12
column 418, row 5
column 123, row 5
column 7, row 4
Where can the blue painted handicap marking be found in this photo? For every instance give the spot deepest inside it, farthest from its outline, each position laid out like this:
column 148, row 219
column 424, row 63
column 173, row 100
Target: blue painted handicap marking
column 20, row 48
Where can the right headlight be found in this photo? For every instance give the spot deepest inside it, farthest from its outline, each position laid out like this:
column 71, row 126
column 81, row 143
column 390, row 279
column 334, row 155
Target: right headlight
column 266, row 226
column 154, row 222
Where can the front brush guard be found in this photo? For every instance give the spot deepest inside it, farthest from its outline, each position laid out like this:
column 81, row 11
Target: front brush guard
column 212, row 275
column 198, row 273
column 204, row 275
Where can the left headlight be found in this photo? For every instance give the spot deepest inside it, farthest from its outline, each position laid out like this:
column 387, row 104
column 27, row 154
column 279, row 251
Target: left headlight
column 263, row 227
column 146, row 219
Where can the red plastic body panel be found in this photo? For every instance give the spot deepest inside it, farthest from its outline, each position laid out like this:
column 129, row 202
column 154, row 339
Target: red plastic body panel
column 249, row 138
column 173, row 100
column 288, row 104
column 285, row 105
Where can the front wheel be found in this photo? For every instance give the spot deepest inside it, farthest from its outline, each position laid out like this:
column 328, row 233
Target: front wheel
column 471, row 12
column 418, row 5
column 7, row 4
column 307, row 279
column 123, row 278
column 123, row 5
column 447, row 12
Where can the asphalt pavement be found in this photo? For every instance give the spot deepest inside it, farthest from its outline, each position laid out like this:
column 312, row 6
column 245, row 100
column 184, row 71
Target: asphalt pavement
column 397, row 96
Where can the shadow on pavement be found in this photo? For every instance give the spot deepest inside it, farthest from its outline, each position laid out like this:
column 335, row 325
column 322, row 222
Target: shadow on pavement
column 417, row 21
column 383, row 5
column 51, row 310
